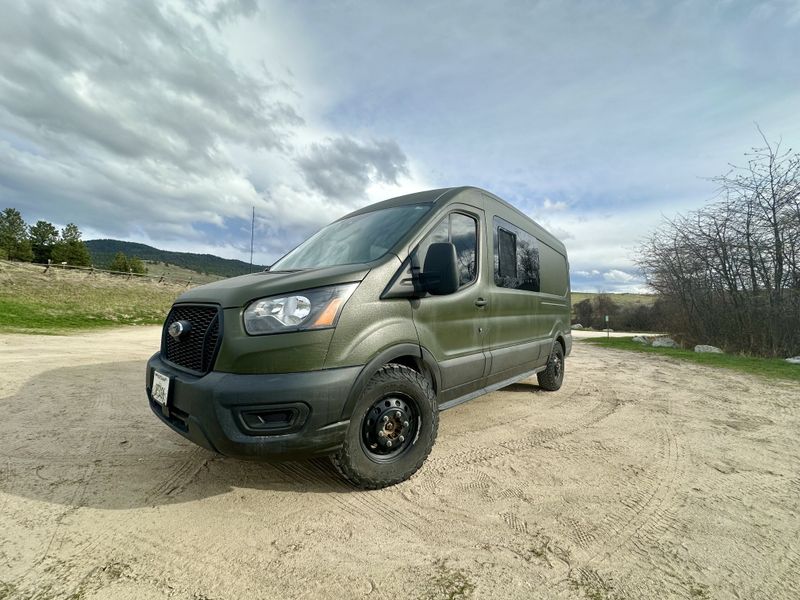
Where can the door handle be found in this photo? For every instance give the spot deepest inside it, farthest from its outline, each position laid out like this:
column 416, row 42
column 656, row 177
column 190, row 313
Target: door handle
column 480, row 302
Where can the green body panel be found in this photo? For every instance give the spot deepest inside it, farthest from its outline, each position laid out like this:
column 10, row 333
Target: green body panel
column 237, row 292
column 452, row 328
column 281, row 353
column 468, row 342
column 369, row 325
column 523, row 323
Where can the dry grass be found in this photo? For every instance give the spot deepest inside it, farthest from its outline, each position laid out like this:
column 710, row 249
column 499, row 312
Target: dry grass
column 60, row 301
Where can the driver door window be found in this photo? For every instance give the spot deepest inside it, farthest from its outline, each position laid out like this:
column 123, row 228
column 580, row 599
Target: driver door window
column 462, row 231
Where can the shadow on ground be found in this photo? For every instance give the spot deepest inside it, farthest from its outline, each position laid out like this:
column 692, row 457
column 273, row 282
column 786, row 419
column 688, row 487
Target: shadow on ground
column 85, row 436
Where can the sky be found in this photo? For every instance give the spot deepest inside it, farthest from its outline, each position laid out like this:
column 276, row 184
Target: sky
column 167, row 122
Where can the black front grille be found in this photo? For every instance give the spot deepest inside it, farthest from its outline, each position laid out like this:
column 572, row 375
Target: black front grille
column 197, row 349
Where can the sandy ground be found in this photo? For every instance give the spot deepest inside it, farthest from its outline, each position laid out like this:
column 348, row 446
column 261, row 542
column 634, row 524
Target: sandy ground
column 640, row 478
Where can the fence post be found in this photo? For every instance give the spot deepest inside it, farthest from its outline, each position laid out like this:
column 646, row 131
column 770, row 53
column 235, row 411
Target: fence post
column 47, row 268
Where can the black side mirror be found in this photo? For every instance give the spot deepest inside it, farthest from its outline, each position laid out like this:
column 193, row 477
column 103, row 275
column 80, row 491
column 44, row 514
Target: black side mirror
column 440, row 272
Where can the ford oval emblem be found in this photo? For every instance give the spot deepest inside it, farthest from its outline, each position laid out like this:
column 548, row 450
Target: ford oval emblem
column 179, row 329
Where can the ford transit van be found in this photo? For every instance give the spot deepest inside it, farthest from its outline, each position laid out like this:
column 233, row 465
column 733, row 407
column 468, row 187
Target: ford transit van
column 354, row 342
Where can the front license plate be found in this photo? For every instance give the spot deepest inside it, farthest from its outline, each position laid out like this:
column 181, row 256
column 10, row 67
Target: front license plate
column 160, row 388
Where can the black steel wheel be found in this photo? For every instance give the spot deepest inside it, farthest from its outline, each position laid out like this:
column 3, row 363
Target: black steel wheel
column 392, row 429
column 553, row 376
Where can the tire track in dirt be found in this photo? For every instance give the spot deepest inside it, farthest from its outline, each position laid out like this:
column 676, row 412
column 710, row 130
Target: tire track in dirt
column 145, row 553
column 647, row 514
column 94, row 448
column 603, row 408
column 186, row 471
column 357, row 503
column 489, row 422
column 648, row 510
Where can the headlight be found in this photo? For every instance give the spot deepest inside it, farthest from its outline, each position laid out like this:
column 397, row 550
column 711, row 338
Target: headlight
column 309, row 309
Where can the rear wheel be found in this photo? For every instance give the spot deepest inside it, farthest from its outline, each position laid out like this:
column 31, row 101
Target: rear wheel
column 392, row 429
column 551, row 378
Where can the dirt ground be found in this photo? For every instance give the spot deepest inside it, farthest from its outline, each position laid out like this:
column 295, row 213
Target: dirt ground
column 641, row 478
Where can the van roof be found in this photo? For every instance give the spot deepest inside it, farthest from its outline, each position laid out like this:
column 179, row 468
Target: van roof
column 442, row 196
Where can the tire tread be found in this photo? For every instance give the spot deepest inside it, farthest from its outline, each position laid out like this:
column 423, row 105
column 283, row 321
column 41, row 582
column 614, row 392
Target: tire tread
column 389, row 373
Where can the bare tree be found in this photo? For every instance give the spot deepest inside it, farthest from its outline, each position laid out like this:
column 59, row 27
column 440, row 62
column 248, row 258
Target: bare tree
column 731, row 269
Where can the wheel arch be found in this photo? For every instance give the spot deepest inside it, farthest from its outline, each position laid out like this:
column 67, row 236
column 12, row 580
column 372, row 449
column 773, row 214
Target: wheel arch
column 409, row 355
column 560, row 339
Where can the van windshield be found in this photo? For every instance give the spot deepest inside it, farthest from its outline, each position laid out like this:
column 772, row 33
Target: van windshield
column 357, row 239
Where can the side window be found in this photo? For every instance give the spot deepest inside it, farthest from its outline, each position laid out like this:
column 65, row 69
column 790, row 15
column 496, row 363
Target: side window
column 516, row 257
column 462, row 231
column 507, row 250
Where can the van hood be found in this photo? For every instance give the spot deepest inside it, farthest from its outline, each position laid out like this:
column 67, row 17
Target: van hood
column 239, row 291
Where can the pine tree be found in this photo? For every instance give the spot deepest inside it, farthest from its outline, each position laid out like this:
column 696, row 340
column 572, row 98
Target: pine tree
column 14, row 242
column 71, row 249
column 44, row 237
column 120, row 263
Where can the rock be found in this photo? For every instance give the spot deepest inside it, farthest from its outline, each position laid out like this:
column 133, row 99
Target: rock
column 608, row 329
column 795, row 360
column 664, row 342
column 577, row 326
column 640, row 339
column 705, row 348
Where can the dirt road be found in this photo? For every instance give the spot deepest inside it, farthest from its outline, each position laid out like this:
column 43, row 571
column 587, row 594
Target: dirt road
column 641, row 478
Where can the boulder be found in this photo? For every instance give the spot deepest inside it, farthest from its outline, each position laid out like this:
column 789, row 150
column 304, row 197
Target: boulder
column 640, row 339
column 795, row 360
column 577, row 326
column 664, row 342
column 705, row 348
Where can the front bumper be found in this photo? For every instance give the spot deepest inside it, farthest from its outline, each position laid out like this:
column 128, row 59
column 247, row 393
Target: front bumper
column 282, row 415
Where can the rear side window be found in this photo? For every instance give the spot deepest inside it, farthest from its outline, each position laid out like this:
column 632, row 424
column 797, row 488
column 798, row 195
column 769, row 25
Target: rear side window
column 462, row 231
column 516, row 257
column 507, row 251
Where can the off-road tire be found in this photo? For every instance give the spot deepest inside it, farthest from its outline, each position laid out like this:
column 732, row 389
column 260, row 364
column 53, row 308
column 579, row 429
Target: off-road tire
column 551, row 378
column 355, row 462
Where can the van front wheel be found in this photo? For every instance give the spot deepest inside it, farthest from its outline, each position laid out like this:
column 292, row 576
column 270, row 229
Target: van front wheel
column 550, row 379
column 392, row 429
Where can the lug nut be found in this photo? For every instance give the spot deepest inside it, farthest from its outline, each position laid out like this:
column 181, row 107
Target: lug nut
column 398, row 414
column 388, row 443
column 405, row 423
column 381, row 433
column 385, row 419
column 402, row 439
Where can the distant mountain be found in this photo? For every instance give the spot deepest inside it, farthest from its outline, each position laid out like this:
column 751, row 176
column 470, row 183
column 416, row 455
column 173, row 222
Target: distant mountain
column 103, row 252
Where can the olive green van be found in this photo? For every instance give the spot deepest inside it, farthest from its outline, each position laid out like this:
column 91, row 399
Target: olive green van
column 352, row 343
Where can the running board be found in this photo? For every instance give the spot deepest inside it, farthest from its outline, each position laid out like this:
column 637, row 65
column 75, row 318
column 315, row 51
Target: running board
column 492, row 388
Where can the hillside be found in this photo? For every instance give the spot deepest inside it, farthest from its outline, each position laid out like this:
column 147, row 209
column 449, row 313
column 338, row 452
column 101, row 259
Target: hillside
column 62, row 300
column 621, row 298
column 103, row 252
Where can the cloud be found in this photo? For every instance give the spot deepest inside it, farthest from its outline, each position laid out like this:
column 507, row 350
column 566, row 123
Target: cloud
column 619, row 276
column 133, row 120
column 168, row 121
column 587, row 274
column 613, row 280
column 344, row 168
column 553, row 205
